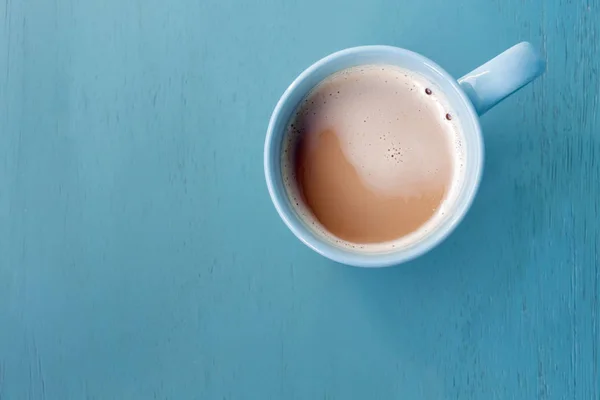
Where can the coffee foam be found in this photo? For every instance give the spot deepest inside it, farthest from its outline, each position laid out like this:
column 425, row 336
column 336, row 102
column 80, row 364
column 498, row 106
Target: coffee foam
column 383, row 172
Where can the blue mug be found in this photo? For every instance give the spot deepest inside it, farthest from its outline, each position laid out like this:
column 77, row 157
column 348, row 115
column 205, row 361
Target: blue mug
column 469, row 97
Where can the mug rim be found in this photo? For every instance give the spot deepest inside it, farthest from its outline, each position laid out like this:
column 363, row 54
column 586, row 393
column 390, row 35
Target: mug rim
column 348, row 257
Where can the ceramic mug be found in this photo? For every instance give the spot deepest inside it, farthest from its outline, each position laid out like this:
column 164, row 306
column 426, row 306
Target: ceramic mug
column 469, row 97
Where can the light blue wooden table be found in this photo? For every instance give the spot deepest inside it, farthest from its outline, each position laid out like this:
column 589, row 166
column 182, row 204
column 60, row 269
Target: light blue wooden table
column 141, row 258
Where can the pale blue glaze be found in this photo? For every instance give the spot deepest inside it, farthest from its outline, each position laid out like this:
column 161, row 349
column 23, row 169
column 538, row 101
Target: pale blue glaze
column 517, row 66
column 500, row 77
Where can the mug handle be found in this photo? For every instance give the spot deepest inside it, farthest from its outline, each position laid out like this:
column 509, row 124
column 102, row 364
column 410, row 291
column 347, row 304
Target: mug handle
column 503, row 75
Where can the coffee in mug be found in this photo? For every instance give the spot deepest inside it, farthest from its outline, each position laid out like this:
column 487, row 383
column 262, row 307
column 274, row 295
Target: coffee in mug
column 372, row 157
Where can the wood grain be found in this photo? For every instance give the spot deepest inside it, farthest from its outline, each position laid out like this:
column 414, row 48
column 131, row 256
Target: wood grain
column 140, row 256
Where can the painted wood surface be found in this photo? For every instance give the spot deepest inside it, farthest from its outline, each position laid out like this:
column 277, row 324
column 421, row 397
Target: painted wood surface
column 140, row 256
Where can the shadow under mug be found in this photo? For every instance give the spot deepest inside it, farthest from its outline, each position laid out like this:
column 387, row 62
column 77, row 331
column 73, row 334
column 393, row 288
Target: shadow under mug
column 469, row 97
